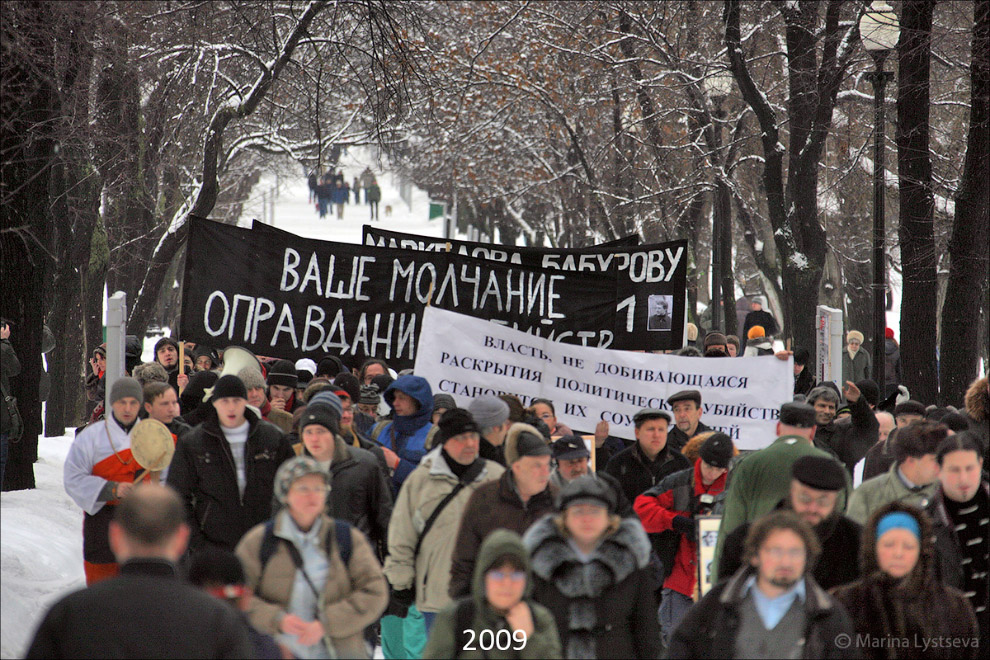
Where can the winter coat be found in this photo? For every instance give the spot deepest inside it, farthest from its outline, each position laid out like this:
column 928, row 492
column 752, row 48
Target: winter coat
column 680, row 495
column 804, row 382
column 637, row 473
column 761, row 318
column 606, row 608
column 352, row 598
column 145, row 612
column 759, row 481
column 283, row 419
column 494, row 505
column 202, row 472
column 373, row 193
column 874, row 493
column 429, row 571
column 891, row 365
column 758, row 347
column 915, row 608
column 9, row 366
column 880, row 457
column 676, row 438
column 445, row 637
column 849, row 439
column 710, row 628
column 406, row 435
column 838, row 535
column 857, row 368
column 359, row 490
column 978, row 411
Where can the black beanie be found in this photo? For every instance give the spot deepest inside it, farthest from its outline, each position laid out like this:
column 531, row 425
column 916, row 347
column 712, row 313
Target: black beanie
column 819, row 472
column 717, row 450
column 869, row 390
column 454, row 422
column 330, row 366
column 229, row 386
column 349, row 383
column 283, row 372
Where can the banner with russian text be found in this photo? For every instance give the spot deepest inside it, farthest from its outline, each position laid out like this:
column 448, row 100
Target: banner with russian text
column 467, row 357
column 283, row 295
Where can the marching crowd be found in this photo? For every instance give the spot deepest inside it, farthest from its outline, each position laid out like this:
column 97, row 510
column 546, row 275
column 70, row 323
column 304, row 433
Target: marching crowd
column 317, row 509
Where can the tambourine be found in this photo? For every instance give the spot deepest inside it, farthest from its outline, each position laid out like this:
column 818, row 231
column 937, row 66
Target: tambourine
column 152, row 446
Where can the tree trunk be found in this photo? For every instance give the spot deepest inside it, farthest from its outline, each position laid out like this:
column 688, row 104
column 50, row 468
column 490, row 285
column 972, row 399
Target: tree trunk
column 967, row 289
column 919, row 301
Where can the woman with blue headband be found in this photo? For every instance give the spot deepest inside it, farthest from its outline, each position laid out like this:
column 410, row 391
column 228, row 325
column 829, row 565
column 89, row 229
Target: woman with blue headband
column 900, row 608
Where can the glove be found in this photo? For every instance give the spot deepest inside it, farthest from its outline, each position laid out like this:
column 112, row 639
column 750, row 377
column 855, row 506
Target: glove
column 399, row 602
column 686, row 526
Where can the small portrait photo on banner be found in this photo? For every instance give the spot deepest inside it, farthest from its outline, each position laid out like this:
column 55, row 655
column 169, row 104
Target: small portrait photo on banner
column 660, row 313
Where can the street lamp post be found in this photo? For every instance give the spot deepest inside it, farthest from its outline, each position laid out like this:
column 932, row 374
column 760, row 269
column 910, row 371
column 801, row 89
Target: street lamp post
column 880, row 31
column 717, row 85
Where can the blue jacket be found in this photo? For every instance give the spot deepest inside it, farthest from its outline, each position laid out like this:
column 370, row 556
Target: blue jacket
column 406, row 434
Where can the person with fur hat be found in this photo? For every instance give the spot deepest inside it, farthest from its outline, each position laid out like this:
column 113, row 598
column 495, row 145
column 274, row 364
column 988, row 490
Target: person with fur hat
column 99, row 471
column 757, row 343
column 899, row 599
column 500, row 599
column 669, row 509
column 856, row 364
column 224, row 468
column 361, row 492
column 404, row 438
column 317, row 600
column 848, row 438
column 816, row 484
column 978, row 410
column 645, row 463
column 422, row 535
column 592, row 571
column 282, row 381
column 521, row 496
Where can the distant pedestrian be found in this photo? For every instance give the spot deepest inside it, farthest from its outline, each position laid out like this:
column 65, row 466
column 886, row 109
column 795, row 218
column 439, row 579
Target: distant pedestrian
column 761, row 317
column 9, row 366
column 856, row 363
column 374, row 195
column 892, row 363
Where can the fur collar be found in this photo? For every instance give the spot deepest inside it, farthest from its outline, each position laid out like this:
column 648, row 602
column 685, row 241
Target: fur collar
column 618, row 556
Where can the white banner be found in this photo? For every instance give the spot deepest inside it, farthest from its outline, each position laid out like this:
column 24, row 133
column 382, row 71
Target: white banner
column 467, row 357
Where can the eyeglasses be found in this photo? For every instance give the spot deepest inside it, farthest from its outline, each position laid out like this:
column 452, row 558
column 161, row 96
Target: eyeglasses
column 310, row 490
column 515, row 576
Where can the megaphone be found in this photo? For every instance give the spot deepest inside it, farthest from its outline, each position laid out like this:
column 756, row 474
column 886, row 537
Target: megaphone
column 235, row 359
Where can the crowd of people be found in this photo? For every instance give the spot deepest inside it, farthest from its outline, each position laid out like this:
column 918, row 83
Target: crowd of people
column 318, row 509
column 333, row 189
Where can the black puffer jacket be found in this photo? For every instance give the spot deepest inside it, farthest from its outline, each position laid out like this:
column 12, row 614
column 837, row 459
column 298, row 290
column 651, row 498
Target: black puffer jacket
column 606, row 608
column 203, row 473
column 637, row 473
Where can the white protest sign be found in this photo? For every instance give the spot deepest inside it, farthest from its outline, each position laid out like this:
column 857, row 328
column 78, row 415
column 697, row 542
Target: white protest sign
column 467, row 357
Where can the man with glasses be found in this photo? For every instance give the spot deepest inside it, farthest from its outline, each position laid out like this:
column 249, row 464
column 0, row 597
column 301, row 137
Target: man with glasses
column 816, row 482
column 772, row 606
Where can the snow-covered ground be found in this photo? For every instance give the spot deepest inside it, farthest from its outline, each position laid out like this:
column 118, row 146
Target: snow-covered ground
column 41, row 529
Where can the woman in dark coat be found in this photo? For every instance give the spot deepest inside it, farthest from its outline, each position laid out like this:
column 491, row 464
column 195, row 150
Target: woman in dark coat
column 592, row 570
column 899, row 607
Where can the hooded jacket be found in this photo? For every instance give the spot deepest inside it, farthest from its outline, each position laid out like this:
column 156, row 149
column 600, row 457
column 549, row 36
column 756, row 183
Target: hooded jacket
column 429, row 571
column 203, row 473
column 916, row 607
column 606, row 608
column 406, row 435
column 444, row 635
column 495, row 505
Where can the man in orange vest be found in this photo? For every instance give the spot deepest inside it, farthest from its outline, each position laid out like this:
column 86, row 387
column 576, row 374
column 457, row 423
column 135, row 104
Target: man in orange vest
column 99, row 472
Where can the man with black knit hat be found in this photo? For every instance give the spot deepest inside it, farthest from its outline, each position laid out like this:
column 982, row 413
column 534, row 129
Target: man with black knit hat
column 668, row 512
column 224, row 468
column 167, row 355
column 686, row 406
column 421, row 535
column 99, row 471
column 282, row 381
column 521, row 496
column 816, row 482
column 850, row 438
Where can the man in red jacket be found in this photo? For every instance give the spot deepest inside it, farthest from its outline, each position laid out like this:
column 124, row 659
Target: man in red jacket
column 671, row 506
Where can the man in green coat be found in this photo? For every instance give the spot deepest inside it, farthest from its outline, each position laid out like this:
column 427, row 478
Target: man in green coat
column 762, row 479
column 498, row 619
column 913, row 477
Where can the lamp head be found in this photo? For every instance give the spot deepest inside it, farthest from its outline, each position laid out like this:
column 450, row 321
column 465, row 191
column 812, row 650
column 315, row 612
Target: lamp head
column 879, row 29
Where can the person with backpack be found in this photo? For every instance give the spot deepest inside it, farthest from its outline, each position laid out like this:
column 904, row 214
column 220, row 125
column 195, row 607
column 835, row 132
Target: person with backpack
column 316, row 580
column 500, row 603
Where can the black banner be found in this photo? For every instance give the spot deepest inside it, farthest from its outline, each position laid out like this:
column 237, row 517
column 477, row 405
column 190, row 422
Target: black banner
column 279, row 294
column 377, row 237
